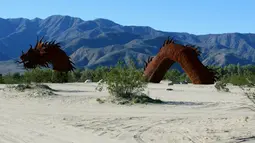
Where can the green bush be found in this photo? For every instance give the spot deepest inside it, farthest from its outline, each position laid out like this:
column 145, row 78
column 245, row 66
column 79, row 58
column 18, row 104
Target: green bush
column 126, row 84
column 60, row 77
column 75, row 76
column 99, row 73
column 173, row 75
column 94, row 75
column 125, row 81
column 9, row 79
column 1, row 79
column 234, row 74
column 236, row 80
column 86, row 74
column 38, row 75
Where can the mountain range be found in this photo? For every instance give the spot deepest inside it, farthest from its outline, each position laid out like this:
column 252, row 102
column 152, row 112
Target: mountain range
column 103, row 42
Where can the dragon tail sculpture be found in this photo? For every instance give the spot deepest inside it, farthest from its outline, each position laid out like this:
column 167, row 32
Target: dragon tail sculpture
column 186, row 55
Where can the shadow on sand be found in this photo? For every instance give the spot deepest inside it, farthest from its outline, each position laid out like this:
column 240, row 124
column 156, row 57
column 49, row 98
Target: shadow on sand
column 70, row 91
column 182, row 103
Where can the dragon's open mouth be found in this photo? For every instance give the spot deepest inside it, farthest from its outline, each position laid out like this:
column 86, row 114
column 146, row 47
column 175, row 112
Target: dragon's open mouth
column 20, row 62
column 26, row 64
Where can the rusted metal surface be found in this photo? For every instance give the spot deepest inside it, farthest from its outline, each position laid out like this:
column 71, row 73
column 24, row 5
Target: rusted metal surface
column 45, row 53
column 186, row 56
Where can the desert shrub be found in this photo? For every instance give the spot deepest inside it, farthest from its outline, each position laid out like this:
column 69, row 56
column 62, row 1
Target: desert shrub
column 236, row 80
column 45, row 75
column 11, row 78
column 1, row 79
column 176, row 76
column 38, row 75
column 75, row 76
column 60, row 77
column 86, row 74
column 99, row 73
column 17, row 76
column 173, row 75
column 251, row 79
column 126, row 84
column 184, row 77
column 234, row 74
column 8, row 79
column 124, row 81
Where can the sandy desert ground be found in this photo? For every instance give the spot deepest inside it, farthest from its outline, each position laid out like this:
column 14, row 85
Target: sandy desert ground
column 192, row 114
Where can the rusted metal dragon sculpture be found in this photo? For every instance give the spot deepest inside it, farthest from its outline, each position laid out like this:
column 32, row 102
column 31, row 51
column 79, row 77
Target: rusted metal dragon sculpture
column 45, row 53
column 186, row 55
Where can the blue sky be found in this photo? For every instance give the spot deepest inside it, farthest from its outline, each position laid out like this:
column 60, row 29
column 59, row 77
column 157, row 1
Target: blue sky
column 192, row 16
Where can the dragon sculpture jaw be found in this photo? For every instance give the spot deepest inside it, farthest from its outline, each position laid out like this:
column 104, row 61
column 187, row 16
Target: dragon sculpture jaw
column 187, row 56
